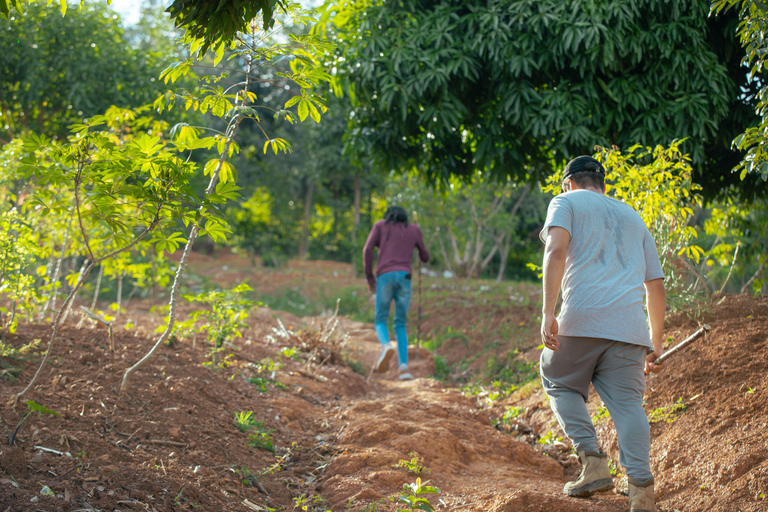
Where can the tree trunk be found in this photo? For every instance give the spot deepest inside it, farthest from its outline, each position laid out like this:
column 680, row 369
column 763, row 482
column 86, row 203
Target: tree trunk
column 119, row 292
column 504, row 255
column 355, row 224
column 508, row 237
column 51, row 302
column 746, row 285
column 98, row 287
column 304, row 242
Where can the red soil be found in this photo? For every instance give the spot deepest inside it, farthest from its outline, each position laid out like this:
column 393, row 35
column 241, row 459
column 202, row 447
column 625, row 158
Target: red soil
column 171, row 443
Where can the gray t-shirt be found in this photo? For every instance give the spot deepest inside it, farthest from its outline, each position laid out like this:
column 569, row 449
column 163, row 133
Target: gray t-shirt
column 610, row 255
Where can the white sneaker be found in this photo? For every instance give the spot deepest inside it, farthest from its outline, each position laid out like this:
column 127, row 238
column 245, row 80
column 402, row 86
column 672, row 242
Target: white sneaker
column 406, row 376
column 382, row 364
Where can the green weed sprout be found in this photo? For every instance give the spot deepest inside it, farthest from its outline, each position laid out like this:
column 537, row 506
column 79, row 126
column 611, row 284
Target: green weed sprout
column 668, row 413
column 600, row 415
column 259, row 436
column 244, row 421
column 33, row 407
column 313, row 504
column 415, row 465
column 225, row 318
column 411, row 496
column 549, row 438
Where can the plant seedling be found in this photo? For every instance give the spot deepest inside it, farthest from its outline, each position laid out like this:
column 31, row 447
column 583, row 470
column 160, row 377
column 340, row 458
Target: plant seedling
column 411, row 497
column 415, row 465
column 33, row 407
column 261, row 437
column 668, row 414
column 549, row 439
column 244, row 421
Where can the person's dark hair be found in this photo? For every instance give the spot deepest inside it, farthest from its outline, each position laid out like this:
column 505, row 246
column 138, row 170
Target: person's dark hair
column 586, row 179
column 396, row 214
column 584, row 171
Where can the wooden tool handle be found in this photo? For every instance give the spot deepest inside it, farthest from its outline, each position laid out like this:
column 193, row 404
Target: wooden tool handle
column 677, row 348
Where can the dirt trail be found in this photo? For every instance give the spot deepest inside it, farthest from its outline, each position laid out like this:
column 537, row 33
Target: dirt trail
column 476, row 467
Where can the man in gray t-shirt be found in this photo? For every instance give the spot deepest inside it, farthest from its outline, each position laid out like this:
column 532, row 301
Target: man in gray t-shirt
column 599, row 251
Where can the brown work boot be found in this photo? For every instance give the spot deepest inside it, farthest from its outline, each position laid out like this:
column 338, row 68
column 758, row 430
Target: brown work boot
column 595, row 475
column 641, row 496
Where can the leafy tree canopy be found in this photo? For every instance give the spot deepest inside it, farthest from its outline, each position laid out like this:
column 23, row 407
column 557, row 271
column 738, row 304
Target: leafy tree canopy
column 514, row 86
column 211, row 22
column 57, row 70
column 753, row 26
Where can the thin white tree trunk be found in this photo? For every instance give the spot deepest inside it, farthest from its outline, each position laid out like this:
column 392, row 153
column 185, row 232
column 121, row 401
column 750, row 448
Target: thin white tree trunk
column 754, row 276
column 98, row 287
column 51, row 302
column 230, row 134
column 119, row 292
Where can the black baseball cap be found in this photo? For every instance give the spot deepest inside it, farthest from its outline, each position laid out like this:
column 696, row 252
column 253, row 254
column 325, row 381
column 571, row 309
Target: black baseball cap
column 583, row 164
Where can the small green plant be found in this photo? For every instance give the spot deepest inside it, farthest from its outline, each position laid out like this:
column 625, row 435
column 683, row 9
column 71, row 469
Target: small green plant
column 226, row 316
column 411, row 496
column 356, row 365
column 313, row 504
column 549, row 438
column 613, row 468
column 32, row 407
column 290, row 352
column 247, row 477
column 415, row 465
column 600, row 415
column 668, row 413
column 244, row 421
column 266, row 366
column 442, row 370
column 511, row 413
column 750, row 391
column 260, row 437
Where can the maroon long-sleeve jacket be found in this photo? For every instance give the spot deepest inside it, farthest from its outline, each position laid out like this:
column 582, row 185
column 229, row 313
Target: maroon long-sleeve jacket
column 396, row 242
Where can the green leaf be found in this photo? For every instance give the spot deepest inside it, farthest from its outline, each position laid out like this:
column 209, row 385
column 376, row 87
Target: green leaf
column 303, row 109
column 39, row 408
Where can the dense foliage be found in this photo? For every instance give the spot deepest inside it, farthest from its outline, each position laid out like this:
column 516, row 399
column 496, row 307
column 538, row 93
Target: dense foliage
column 752, row 29
column 57, row 70
column 511, row 86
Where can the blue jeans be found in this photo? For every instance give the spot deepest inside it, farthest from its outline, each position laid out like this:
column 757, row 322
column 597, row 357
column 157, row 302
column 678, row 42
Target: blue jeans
column 393, row 286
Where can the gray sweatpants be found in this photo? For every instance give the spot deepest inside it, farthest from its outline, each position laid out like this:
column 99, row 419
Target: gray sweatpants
column 616, row 370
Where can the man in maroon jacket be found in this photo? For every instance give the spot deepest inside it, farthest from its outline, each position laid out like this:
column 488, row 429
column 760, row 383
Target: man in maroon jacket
column 396, row 240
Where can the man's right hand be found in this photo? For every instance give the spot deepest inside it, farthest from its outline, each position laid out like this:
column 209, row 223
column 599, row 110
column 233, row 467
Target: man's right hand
column 549, row 330
column 650, row 366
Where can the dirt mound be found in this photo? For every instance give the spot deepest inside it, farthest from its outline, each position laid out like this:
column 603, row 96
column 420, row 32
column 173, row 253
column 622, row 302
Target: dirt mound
column 171, row 443
column 712, row 455
column 476, row 466
column 708, row 411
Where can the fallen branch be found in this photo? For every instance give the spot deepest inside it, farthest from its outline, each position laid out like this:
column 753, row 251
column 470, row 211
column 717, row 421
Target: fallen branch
column 677, row 348
column 321, row 378
column 51, row 450
column 168, row 443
